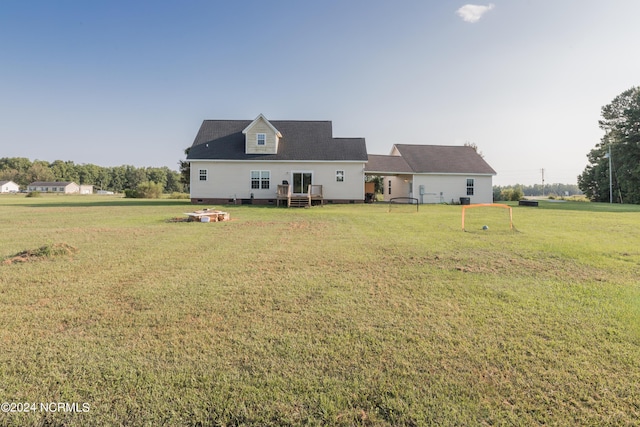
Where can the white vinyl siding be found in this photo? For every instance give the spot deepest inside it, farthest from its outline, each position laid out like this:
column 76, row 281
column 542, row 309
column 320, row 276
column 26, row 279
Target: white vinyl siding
column 440, row 188
column 229, row 179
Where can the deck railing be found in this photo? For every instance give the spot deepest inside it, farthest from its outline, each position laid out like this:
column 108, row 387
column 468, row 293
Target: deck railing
column 314, row 192
column 284, row 193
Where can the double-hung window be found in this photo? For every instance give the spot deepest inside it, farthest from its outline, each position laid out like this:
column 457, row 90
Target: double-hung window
column 261, row 139
column 470, row 184
column 260, row 180
column 339, row 176
column 203, row 174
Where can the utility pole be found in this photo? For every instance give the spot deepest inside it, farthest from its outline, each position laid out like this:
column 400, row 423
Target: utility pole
column 610, row 179
column 542, row 170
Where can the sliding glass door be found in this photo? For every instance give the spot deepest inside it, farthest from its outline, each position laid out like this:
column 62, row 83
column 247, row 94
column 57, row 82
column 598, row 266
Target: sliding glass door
column 301, row 182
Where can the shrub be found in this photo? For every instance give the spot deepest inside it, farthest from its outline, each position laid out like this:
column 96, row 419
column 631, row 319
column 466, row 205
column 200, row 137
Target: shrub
column 576, row 198
column 179, row 195
column 146, row 190
column 150, row 190
column 505, row 194
column 33, row 194
column 517, row 194
column 130, row 193
column 511, row 194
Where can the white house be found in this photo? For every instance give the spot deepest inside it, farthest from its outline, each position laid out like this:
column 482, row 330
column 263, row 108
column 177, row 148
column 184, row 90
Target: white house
column 9, row 187
column 267, row 162
column 61, row 187
column 434, row 174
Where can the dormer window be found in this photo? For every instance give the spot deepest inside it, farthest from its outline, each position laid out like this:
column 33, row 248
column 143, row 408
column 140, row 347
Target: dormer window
column 261, row 137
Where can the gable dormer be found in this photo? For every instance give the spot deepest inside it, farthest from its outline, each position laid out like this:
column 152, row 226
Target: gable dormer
column 261, row 137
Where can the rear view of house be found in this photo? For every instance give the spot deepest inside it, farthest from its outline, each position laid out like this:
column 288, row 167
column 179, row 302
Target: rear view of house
column 264, row 162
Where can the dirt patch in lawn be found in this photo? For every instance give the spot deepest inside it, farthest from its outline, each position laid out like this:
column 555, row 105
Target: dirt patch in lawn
column 47, row 251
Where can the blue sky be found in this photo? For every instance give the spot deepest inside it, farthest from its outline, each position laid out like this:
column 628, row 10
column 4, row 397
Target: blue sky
column 129, row 82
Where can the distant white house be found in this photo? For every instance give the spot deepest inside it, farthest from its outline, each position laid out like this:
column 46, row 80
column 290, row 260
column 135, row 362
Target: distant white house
column 54, row 187
column 9, row 187
column 433, row 174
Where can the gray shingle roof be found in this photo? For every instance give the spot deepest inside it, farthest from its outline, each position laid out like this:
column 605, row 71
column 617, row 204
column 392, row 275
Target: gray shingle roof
column 387, row 164
column 301, row 140
column 49, row 184
column 437, row 159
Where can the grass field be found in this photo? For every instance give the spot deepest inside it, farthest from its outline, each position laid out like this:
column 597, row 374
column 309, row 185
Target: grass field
column 336, row 315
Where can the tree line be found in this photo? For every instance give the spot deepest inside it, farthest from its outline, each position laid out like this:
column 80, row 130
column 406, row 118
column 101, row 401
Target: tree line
column 517, row 191
column 23, row 171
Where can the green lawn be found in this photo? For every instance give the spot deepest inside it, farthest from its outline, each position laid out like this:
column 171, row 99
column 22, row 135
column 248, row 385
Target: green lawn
column 335, row 315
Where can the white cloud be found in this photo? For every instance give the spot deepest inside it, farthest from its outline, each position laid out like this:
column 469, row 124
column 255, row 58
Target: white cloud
column 473, row 12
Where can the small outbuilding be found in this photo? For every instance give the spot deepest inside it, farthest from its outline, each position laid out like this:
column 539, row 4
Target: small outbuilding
column 9, row 187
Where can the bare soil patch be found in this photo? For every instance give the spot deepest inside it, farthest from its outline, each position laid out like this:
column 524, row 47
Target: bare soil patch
column 47, row 251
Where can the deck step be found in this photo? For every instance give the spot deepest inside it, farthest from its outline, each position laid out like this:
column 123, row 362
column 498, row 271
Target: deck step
column 298, row 203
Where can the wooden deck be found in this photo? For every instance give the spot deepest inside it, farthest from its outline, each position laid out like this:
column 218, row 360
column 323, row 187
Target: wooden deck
column 313, row 196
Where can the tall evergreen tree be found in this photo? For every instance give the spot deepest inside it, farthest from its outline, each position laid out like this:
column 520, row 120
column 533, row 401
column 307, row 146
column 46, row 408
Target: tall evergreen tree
column 621, row 124
column 185, row 170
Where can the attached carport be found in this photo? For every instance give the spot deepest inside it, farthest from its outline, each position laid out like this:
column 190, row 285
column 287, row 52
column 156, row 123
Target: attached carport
column 397, row 174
